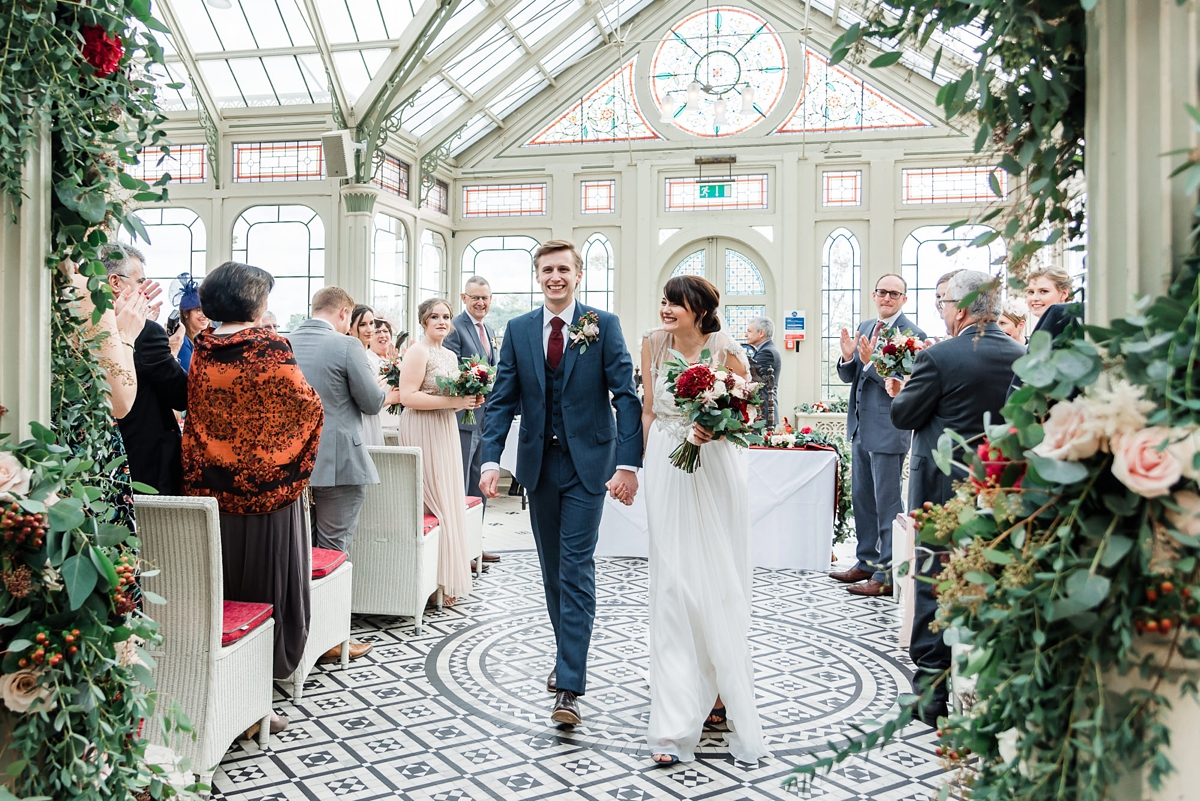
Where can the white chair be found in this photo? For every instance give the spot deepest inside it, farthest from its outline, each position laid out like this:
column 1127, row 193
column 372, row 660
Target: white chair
column 395, row 549
column 223, row 689
column 474, row 520
column 329, row 624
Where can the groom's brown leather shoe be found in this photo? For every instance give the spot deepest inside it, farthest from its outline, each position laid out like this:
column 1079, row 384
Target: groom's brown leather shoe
column 566, row 710
column 872, row 588
column 552, row 681
column 852, row 575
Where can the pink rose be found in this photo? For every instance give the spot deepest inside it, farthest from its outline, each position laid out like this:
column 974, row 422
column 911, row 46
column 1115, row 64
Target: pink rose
column 13, row 477
column 1070, row 433
column 1187, row 520
column 20, row 689
column 1143, row 463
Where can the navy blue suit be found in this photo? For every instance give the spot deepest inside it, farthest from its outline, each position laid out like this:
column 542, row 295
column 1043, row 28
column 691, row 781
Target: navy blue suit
column 568, row 449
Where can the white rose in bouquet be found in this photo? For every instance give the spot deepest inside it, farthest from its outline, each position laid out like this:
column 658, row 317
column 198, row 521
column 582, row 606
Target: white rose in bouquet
column 1070, row 432
column 719, row 390
column 14, row 479
column 1142, row 462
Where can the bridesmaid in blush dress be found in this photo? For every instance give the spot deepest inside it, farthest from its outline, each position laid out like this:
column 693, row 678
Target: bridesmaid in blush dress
column 429, row 423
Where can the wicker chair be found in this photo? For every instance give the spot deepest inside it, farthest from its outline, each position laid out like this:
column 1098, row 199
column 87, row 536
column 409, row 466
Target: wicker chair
column 223, row 690
column 474, row 520
column 395, row 556
column 329, row 625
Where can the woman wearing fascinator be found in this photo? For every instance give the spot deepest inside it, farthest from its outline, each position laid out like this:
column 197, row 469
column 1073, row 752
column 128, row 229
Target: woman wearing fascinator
column 185, row 296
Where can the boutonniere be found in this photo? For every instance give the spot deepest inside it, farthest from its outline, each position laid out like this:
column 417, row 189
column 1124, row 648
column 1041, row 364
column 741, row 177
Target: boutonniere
column 585, row 332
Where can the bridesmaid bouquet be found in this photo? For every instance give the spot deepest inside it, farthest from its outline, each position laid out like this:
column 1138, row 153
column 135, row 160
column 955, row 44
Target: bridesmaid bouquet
column 718, row 399
column 897, row 354
column 475, row 377
column 390, row 372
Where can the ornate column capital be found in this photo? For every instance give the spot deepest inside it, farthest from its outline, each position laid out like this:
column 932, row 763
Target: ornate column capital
column 359, row 198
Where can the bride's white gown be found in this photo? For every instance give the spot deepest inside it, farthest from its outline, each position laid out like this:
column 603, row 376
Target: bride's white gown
column 701, row 570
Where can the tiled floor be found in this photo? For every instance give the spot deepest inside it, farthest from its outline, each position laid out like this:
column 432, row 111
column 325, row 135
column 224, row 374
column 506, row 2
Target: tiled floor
column 461, row 712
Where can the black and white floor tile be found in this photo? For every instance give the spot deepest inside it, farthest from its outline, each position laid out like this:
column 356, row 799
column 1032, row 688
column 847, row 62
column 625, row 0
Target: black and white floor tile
column 461, row 711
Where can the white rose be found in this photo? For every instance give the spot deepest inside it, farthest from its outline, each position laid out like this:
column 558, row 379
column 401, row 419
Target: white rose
column 591, row 330
column 14, row 478
column 20, row 689
column 1143, row 463
column 1185, row 443
column 719, row 390
column 1070, row 433
column 1007, row 741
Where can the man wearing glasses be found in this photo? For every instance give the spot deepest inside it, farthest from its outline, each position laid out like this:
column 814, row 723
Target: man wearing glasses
column 877, row 447
column 269, row 322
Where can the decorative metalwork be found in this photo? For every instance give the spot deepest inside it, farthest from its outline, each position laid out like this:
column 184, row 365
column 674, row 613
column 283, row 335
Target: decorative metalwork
column 432, row 160
column 339, row 116
column 212, row 135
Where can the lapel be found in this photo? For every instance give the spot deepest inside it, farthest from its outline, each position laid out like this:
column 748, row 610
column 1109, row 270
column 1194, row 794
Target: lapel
column 494, row 359
column 534, row 334
column 468, row 327
column 570, row 354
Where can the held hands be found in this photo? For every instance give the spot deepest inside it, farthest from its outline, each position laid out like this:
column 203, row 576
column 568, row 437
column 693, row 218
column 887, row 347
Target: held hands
column 489, row 484
column 893, row 385
column 392, row 397
column 622, row 486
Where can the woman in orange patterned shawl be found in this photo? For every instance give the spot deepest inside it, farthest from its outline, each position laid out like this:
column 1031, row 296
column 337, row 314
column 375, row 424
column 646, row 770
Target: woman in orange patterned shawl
column 250, row 441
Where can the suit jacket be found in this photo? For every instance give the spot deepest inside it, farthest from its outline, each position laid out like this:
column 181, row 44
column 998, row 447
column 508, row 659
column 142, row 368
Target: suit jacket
column 150, row 430
column 596, row 442
column 953, row 383
column 463, row 341
column 337, row 368
column 867, row 415
column 766, row 356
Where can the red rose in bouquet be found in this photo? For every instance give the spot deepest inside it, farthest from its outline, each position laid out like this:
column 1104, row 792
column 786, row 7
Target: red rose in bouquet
column 102, row 51
column 995, row 463
column 895, row 356
column 716, row 398
column 390, row 372
column 475, row 377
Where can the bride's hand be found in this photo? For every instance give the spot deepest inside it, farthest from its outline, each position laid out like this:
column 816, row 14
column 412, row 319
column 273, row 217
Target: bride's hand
column 699, row 434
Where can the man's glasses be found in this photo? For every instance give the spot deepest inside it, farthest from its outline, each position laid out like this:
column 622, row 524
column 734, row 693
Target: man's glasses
column 271, row 327
column 478, row 298
column 889, row 293
column 944, row 302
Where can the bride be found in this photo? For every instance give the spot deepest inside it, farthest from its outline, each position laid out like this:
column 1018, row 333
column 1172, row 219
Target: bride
column 700, row 549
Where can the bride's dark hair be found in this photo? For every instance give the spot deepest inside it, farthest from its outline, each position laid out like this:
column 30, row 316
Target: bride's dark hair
column 698, row 296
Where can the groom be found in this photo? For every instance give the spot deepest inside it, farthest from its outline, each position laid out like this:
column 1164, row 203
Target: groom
column 567, row 379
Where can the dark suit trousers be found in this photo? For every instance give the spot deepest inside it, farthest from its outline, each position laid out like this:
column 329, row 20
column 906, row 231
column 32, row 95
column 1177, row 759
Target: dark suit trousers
column 566, row 521
column 875, row 480
column 472, row 453
column 926, row 648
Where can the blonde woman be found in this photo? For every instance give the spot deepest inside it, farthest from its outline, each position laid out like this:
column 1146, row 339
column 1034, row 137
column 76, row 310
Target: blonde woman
column 1045, row 287
column 429, row 423
column 1012, row 318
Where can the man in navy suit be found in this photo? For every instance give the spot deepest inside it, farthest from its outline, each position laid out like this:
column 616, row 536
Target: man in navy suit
column 570, row 449
column 877, row 447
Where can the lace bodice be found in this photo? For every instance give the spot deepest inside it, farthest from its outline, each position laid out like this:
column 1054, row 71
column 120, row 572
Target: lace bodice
column 442, row 363
column 671, row 420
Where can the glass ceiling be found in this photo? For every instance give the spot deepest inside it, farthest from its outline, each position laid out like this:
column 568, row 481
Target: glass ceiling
column 486, row 62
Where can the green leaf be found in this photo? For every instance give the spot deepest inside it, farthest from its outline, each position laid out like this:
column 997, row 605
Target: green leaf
column 110, row 534
column 80, row 578
column 979, row 577
column 103, row 564
column 1115, row 550
column 887, row 59
column 143, row 675
column 1054, row 471
column 997, row 557
column 66, row 515
column 153, row 597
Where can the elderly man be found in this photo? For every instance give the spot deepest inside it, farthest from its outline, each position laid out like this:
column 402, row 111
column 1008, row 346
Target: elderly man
column 758, row 335
column 953, row 384
column 877, row 447
column 269, row 321
column 150, row 430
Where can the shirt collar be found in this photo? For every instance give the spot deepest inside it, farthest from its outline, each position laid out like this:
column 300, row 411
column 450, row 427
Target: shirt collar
column 325, row 323
column 567, row 314
column 888, row 322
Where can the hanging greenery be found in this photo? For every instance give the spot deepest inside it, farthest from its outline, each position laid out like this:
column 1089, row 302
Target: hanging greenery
column 75, row 687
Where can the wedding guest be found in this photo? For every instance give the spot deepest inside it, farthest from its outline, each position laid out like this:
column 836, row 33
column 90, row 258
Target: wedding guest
column 758, row 334
column 362, row 327
column 953, row 384
column 250, row 441
column 701, row 670
column 381, row 342
column 269, row 322
column 362, row 324
column 191, row 318
column 150, row 430
column 1044, row 287
column 877, row 446
column 1012, row 318
column 429, row 423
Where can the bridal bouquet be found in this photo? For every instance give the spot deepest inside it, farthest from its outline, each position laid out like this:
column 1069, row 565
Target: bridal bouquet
column 718, row 399
column 897, row 354
column 390, row 373
column 475, row 377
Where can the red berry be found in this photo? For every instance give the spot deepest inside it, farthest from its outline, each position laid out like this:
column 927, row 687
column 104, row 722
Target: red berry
column 954, row 755
column 75, row 632
column 1152, row 626
column 23, row 662
column 1167, row 588
column 1151, row 595
column 1185, row 592
column 1139, row 626
column 70, row 638
column 1164, row 625
column 41, row 638
column 938, row 751
column 54, row 660
column 74, row 649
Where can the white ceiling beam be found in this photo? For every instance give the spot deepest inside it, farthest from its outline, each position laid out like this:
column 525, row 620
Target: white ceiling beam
column 199, row 87
column 458, row 87
column 322, row 41
column 505, row 79
column 298, row 50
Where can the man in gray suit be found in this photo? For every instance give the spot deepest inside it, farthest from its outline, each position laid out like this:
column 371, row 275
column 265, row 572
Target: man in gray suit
column 469, row 337
column 336, row 366
column 758, row 336
column 877, row 447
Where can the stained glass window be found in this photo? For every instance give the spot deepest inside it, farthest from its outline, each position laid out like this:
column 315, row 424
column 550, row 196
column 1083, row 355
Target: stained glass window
column 841, row 264
column 598, row 197
column 952, row 184
column 842, row 188
column 438, row 197
column 278, row 161
column 507, row 263
column 736, row 57
column 738, row 317
column 739, row 192
column 389, row 272
column 392, row 176
column 599, row 268
column 289, row 243
column 504, row 200
column 187, row 164
column 741, row 276
column 932, row 251
column 433, row 265
column 692, row 264
column 177, row 245
column 608, row 113
column 835, row 100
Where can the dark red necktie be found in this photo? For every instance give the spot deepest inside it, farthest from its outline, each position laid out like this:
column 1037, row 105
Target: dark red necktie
column 554, row 348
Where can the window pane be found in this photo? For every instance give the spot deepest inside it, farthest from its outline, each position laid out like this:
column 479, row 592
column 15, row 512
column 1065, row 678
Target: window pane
column 177, row 245
column 924, row 259
column 839, row 306
column 507, row 263
column 289, row 243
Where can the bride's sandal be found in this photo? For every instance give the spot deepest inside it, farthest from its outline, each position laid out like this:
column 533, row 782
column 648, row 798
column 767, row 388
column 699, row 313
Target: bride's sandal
column 716, row 717
column 667, row 759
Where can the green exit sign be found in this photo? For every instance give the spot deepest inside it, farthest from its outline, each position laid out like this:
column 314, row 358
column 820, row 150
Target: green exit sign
column 714, row 191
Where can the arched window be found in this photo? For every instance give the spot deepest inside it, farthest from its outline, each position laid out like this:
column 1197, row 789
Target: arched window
column 289, row 243
column 389, row 271
column 433, row 265
column 924, row 258
column 841, row 264
column 507, row 263
column 741, row 276
column 177, row 245
column 692, row 264
column 598, row 270
column 721, row 262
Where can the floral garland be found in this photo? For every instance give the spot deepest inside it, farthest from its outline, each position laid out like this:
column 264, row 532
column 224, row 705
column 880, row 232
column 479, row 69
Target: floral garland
column 76, row 684
column 827, row 406
column 808, row 437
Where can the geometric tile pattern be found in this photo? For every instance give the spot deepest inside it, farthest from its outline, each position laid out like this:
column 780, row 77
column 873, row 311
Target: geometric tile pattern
column 461, row 711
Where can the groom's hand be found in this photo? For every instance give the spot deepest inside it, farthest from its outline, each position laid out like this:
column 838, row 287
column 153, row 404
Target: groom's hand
column 623, row 486
column 489, row 484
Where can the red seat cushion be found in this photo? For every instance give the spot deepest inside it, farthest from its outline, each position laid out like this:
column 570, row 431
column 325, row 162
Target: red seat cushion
column 325, row 561
column 473, row 501
column 431, row 522
column 239, row 618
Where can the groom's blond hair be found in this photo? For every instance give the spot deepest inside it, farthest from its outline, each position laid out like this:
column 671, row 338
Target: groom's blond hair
column 554, row 246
